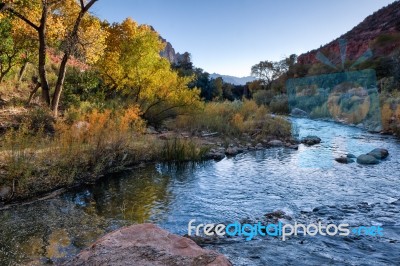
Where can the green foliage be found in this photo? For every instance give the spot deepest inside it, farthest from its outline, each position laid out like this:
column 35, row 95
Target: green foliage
column 263, row 97
column 279, row 104
column 8, row 51
column 83, row 87
column 321, row 111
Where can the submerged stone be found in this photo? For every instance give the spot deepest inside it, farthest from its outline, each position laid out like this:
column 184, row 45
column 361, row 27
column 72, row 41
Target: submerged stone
column 147, row 244
column 367, row 159
column 379, row 154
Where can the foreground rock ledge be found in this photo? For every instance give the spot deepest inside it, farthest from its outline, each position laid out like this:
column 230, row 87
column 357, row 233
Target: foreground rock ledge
column 146, row 244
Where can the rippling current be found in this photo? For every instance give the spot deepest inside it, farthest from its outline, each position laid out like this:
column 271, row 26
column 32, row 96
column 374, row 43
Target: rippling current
column 307, row 184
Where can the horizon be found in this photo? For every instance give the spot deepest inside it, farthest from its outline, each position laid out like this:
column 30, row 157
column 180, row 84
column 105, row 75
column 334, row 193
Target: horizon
column 228, row 53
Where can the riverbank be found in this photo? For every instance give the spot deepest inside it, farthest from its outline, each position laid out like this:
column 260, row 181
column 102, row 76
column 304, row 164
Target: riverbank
column 35, row 164
column 172, row 147
column 307, row 184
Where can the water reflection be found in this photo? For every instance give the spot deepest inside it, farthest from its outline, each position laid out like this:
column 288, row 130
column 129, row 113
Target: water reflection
column 308, row 184
column 53, row 230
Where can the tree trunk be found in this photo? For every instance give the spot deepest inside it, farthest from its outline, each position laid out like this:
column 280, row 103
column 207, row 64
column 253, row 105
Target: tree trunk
column 42, row 56
column 4, row 72
column 2, row 75
column 60, row 84
column 71, row 44
column 36, row 85
column 22, row 71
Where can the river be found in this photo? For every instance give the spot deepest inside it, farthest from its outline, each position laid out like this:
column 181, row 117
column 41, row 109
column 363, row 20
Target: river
column 307, row 184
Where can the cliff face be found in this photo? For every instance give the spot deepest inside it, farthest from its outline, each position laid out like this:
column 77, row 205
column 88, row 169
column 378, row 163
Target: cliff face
column 380, row 32
column 169, row 52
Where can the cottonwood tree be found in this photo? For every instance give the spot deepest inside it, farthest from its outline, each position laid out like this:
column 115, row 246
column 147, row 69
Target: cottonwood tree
column 267, row 71
column 56, row 22
column 8, row 50
column 132, row 65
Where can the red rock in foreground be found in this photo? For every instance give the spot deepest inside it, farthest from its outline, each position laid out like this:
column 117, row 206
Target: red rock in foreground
column 146, row 244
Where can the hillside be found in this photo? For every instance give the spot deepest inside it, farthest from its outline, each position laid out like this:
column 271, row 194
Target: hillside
column 380, row 32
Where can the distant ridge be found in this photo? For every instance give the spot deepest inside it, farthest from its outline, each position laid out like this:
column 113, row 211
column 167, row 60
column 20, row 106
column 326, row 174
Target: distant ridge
column 233, row 80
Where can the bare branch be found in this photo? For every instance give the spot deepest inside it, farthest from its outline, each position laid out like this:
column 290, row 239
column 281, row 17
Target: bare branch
column 89, row 5
column 12, row 11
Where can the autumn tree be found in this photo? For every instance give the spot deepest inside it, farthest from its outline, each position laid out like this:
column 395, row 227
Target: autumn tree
column 132, row 65
column 266, row 71
column 58, row 23
column 8, row 50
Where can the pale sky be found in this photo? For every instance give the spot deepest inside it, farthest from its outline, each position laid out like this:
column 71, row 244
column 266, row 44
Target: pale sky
column 229, row 36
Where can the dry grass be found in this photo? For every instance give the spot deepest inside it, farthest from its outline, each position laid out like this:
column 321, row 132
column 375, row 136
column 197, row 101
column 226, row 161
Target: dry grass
column 100, row 142
column 33, row 162
column 233, row 119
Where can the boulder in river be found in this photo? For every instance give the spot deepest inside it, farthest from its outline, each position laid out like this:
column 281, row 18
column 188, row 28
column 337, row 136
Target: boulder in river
column 311, row 140
column 379, row 154
column 292, row 146
column 231, row 151
column 259, row 146
column 351, row 156
column 276, row 215
column 344, row 160
column 217, row 155
column 367, row 159
column 145, row 245
column 276, row 143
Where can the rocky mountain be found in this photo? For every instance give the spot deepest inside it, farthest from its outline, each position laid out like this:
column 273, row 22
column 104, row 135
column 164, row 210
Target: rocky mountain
column 169, row 52
column 379, row 32
column 233, row 80
column 172, row 56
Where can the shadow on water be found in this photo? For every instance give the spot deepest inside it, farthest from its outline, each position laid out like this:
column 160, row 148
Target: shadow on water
column 307, row 184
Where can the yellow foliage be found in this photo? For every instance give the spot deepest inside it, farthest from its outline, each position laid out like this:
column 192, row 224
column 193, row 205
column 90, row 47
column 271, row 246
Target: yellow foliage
column 60, row 22
column 132, row 64
column 398, row 112
column 387, row 114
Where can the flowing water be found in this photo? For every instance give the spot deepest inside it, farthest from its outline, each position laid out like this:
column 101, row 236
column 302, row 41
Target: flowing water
column 307, row 184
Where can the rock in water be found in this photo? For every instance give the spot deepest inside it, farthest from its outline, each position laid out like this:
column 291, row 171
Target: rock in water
column 367, row 159
column 231, row 151
column 344, row 160
column 145, row 245
column 276, row 143
column 311, row 140
column 379, row 154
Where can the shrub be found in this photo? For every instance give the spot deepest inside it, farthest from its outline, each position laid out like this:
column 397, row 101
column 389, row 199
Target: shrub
column 180, row 150
column 39, row 118
column 263, row 97
column 232, row 119
column 279, row 104
column 321, row 111
column 82, row 87
column 101, row 141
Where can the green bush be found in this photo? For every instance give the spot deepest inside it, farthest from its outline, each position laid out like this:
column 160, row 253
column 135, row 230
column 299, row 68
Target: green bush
column 280, row 104
column 263, row 97
column 83, row 87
